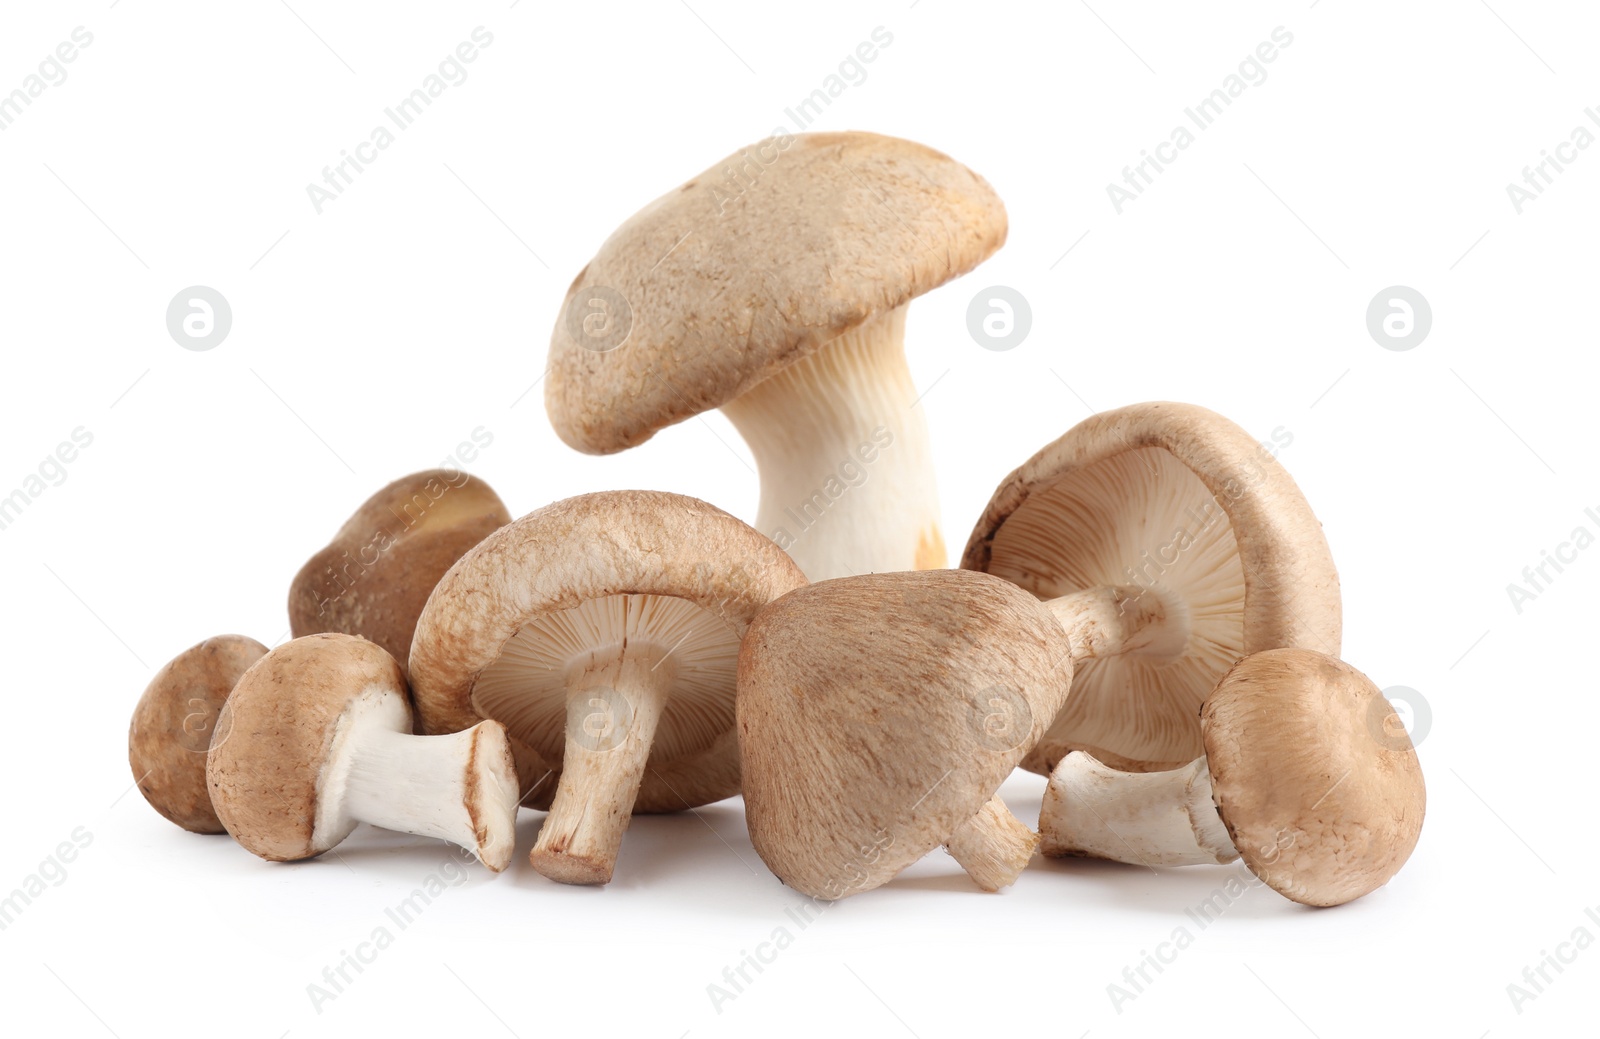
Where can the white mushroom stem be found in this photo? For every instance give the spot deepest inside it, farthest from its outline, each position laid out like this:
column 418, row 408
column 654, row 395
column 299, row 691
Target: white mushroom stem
column 993, row 846
column 1108, row 622
column 614, row 701
column 1147, row 818
column 847, row 483
column 460, row 788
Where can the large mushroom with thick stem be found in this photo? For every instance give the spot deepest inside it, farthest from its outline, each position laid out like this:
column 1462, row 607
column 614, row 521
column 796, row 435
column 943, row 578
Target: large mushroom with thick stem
column 878, row 715
column 1308, row 776
column 774, row 286
column 603, row 631
column 1170, row 510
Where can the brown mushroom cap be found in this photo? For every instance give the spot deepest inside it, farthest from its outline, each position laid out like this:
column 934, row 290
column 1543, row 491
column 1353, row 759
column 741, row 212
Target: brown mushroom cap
column 500, row 631
column 266, row 788
column 879, row 713
column 374, row 577
column 173, row 724
column 736, row 275
column 1324, row 802
column 1178, row 500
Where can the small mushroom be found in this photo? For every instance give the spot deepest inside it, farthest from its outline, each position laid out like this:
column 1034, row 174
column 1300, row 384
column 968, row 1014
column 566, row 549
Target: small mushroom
column 1167, row 509
column 173, row 724
column 1305, row 777
column 774, row 286
column 878, row 715
column 373, row 578
column 319, row 739
column 603, row 631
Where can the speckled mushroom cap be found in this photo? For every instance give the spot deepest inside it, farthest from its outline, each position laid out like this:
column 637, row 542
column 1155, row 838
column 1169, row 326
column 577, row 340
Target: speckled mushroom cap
column 374, row 577
column 879, row 713
column 174, row 722
column 534, row 595
column 733, row 276
column 266, row 788
column 1321, row 793
column 1179, row 500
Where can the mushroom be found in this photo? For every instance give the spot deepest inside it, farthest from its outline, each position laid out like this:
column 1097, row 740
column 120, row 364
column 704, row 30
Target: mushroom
column 173, row 724
column 373, row 578
column 320, row 740
column 878, row 715
column 778, row 294
column 1307, row 776
column 1176, row 510
column 603, row 632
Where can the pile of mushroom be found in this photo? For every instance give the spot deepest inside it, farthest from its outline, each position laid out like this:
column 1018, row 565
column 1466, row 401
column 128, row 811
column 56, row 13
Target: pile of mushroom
column 1146, row 612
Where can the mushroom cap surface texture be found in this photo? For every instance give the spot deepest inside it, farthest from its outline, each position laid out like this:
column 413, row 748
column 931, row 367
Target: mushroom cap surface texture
column 375, row 575
column 729, row 278
column 1179, row 501
column 174, row 722
column 1315, row 778
column 599, row 572
column 879, row 713
column 266, row 787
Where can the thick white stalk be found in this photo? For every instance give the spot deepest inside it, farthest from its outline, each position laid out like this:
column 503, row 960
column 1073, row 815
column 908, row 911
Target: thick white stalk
column 1110, row 621
column 614, row 701
column 460, row 788
column 1146, row 818
column 847, row 482
column 993, row 846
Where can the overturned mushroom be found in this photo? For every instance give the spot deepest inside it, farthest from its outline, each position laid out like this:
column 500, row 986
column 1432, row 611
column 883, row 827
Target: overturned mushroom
column 1164, row 509
column 603, row 631
column 879, row 714
column 779, row 295
column 174, row 723
column 319, row 739
column 1304, row 777
column 375, row 575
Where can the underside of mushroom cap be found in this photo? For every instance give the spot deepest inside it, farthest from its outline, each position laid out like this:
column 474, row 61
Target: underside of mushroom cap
column 266, row 785
column 575, row 587
column 752, row 265
column 877, row 714
column 1319, row 787
column 1182, row 503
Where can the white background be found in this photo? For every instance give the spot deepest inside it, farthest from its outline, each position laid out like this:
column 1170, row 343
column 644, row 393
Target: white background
column 370, row 340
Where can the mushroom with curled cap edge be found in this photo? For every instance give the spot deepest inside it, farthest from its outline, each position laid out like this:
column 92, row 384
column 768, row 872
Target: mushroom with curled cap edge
column 1305, row 777
column 603, row 631
column 174, row 724
column 878, row 715
column 373, row 578
column 1176, row 509
column 319, row 739
column 780, row 296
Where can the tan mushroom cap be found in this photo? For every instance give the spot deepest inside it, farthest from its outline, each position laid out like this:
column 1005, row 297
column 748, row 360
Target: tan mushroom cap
column 289, row 704
column 375, row 575
column 1322, row 796
column 174, row 722
column 730, row 278
column 503, row 627
column 877, row 714
column 1177, row 500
